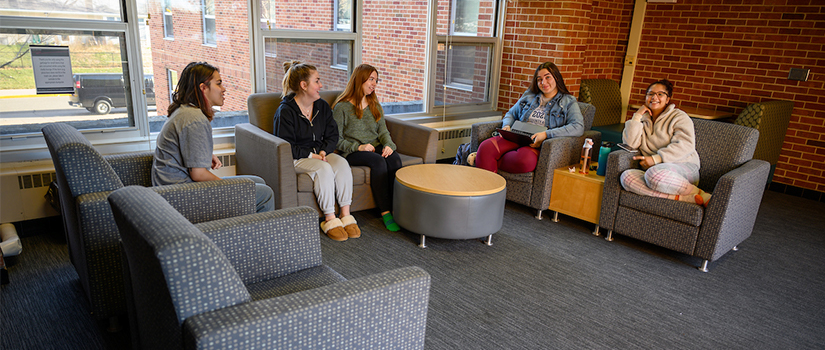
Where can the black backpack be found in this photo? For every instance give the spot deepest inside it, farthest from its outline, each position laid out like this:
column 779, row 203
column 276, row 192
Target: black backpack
column 462, row 153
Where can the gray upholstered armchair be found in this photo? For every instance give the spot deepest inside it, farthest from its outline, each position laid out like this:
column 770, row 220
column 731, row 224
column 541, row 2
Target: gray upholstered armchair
column 606, row 96
column 85, row 178
column 771, row 118
column 256, row 282
column 533, row 189
column 259, row 152
column 728, row 171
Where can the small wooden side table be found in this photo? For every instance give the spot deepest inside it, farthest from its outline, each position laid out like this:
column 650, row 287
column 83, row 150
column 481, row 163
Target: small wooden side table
column 577, row 195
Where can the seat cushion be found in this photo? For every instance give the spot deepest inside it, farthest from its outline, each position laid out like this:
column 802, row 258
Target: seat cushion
column 687, row 213
column 307, row 279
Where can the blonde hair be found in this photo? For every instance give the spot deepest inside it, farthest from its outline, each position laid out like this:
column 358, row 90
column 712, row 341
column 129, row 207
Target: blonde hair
column 294, row 73
column 354, row 92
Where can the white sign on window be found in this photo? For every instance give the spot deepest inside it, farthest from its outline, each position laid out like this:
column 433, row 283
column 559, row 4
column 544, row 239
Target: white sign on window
column 52, row 69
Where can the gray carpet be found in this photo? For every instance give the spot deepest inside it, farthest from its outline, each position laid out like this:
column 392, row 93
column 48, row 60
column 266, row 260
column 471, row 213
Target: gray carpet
column 542, row 285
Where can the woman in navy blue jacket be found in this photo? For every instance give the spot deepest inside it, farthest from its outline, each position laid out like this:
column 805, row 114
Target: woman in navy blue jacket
column 305, row 121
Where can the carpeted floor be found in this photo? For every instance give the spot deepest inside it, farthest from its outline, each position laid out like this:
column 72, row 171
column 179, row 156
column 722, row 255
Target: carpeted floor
column 542, row 285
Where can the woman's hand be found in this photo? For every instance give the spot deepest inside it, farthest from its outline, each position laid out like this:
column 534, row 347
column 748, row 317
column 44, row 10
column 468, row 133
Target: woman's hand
column 386, row 152
column 216, row 163
column 366, row 148
column 645, row 162
column 320, row 155
column 641, row 112
column 538, row 138
column 506, row 127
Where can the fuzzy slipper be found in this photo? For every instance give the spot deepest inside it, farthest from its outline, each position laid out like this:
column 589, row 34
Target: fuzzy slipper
column 351, row 226
column 334, row 229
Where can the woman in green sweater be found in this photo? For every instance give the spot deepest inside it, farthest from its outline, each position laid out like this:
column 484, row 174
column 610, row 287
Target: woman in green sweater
column 364, row 138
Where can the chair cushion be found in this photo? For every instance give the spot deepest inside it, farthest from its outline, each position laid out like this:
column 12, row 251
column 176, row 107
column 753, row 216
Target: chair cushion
column 307, row 279
column 687, row 213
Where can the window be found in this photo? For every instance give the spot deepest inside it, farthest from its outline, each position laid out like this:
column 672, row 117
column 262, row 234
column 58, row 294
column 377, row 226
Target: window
column 411, row 56
column 131, row 75
column 172, row 78
column 168, row 31
column 464, row 17
column 208, row 22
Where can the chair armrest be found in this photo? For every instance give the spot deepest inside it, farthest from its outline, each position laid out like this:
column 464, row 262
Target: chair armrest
column 731, row 212
column 555, row 153
column 413, row 139
column 268, row 245
column 389, row 309
column 132, row 168
column 211, row 200
column 617, row 163
column 482, row 131
column 260, row 153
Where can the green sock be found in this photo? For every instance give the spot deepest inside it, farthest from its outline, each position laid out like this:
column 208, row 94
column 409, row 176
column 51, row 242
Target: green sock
column 390, row 223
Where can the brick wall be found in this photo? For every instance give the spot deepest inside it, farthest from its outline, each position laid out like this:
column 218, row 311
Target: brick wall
column 725, row 55
column 607, row 42
column 230, row 54
column 540, row 31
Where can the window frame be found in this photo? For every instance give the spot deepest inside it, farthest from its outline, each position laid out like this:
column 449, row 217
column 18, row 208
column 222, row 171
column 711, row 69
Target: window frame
column 457, row 111
column 32, row 146
column 204, row 19
column 168, row 33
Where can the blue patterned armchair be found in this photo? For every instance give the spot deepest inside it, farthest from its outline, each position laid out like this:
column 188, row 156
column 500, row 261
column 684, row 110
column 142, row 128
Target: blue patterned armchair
column 255, row 282
column 533, row 189
column 85, row 178
column 728, row 171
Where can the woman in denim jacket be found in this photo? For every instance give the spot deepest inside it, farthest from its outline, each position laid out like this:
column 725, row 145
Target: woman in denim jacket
column 547, row 102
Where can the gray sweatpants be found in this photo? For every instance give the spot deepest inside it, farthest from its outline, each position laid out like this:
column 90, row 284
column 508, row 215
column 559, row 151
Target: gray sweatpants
column 331, row 179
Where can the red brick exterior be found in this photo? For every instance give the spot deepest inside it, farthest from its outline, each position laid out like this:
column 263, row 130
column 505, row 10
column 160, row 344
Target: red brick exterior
column 231, row 53
column 721, row 55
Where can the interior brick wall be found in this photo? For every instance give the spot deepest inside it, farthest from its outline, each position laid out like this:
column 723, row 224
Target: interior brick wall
column 609, row 30
column 725, row 55
column 540, row 31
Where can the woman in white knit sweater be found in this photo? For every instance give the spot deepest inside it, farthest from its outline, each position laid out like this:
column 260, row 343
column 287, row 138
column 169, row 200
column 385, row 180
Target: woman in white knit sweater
column 666, row 141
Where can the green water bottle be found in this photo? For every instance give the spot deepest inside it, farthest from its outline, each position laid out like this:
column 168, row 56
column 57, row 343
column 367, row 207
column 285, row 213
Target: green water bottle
column 604, row 151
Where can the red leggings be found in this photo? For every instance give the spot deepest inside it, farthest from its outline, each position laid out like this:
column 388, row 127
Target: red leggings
column 497, row 153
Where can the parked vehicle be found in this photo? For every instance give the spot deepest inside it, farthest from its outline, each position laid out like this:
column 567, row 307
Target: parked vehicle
column 100, row 92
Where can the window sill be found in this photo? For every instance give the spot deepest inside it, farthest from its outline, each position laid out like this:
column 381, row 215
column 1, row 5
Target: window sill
column 339, row 67
column 459, row 86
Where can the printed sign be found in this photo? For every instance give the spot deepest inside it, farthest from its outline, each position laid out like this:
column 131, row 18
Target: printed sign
column 52, row 69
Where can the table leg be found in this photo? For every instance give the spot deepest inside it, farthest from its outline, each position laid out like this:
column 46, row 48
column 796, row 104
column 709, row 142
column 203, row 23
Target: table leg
column 422, row 245
column 596, row 230
column 555, row 216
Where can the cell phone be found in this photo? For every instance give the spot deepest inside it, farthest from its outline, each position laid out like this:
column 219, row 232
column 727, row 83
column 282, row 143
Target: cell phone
column 625, row 147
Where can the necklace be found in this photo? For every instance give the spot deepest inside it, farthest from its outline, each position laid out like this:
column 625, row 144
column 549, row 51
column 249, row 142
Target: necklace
column 305, row 111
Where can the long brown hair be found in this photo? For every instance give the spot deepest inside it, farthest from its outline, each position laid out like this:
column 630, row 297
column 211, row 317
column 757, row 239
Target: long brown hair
column 294, row 73
column 188, row 90
column 354, row 92
column 554, row 71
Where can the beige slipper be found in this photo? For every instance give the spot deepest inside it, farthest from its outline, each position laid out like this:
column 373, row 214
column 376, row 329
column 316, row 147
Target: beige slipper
column 351, row 226
column 334, row 229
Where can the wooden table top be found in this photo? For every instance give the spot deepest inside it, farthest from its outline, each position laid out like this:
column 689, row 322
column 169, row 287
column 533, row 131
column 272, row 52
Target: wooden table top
column 450, row 180
column 699, row 113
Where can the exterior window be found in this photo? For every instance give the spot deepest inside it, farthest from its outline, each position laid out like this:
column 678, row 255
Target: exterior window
column 168, row 31
column 209, row 22
column 318, row 53
column 343, row 15
column 464, row 17
column 461, row 65
column 340, row 55
column 172, row 78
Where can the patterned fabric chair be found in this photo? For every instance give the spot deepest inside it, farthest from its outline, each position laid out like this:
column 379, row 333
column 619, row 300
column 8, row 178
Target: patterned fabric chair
column 533, row 189
column 606, row 96
column 728, row 171
column 85, row 178
column 416, row 145
column 256, row 282
column 771, row 118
